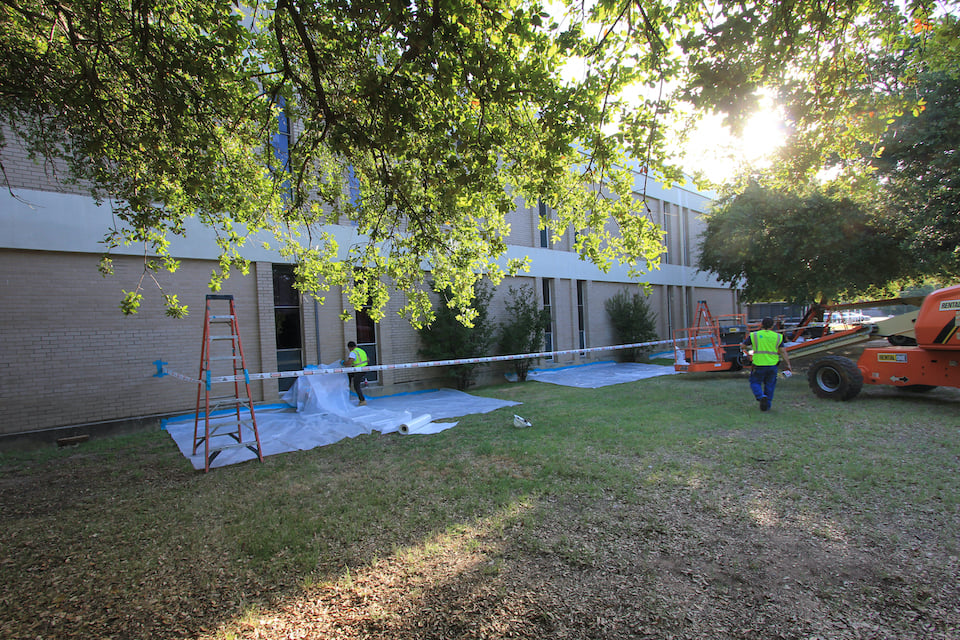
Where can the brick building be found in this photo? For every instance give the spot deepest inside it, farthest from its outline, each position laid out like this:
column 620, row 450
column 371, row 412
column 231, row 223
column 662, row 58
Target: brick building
column 69, row 358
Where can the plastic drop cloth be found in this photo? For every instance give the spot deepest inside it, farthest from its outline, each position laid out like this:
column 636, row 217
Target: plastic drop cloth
column 599, row 374
column 319, row 411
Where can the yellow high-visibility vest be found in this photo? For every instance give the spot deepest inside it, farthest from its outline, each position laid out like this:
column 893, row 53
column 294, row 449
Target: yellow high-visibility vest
column 359, row 357
column 765, row 345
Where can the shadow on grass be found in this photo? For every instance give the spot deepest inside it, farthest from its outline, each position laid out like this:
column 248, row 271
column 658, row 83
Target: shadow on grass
column 640, row 510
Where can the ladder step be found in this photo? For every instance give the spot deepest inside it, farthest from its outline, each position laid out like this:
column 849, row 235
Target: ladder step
column 234, row 445
column 218, row 423
column 215, row 452
column 231, row 337
column 222, row 358
column 218, row 431
column 221, row 318
column 233, row 402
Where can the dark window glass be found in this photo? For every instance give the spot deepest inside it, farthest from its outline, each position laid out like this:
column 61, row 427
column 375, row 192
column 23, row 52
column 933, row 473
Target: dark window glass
column 286, row 310
column 367, row 340
column 544, row 233
column 288, row 328
column 581, row 325
column 548, row 334
column 284, row 295
column 288, row 360
column 366, row 329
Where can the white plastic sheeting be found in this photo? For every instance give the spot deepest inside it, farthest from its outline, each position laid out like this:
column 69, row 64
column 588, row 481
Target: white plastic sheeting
column 600, row 374
column 321, row 412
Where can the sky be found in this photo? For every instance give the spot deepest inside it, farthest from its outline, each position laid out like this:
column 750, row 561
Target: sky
column 713, row 150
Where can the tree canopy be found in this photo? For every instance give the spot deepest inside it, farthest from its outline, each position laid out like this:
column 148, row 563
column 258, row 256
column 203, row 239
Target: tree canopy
column 919, row 170
column 439, row 116
column 885, row 214
column 817, row 246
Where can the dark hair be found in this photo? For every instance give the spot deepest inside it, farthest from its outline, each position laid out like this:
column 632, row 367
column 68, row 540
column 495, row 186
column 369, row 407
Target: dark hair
column 766, row 323
column 351, row 345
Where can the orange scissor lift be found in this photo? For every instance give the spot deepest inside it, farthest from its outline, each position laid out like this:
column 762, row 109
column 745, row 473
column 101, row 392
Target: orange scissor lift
column 712, row 344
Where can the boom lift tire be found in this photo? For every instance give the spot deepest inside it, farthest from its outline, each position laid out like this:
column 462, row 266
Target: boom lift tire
column 835, row 378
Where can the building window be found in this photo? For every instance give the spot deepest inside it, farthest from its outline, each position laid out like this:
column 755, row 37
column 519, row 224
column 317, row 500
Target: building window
column 667, row 237
column 544, row 232
column 353, row 187
column 281, row 143
column 581, row 323
column 286, row 310
column 669, row 299
column 548, row 307
column 367, row 340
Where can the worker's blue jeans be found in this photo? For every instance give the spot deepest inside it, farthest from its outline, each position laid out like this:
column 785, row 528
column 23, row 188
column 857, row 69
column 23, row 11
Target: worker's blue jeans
column 763, row 380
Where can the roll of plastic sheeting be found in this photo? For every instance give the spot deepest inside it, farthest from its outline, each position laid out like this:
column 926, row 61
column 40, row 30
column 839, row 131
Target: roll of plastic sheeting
column 391, row 423
column 416, row 425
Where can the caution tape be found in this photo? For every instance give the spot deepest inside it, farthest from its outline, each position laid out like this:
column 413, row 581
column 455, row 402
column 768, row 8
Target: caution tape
column 163, row 371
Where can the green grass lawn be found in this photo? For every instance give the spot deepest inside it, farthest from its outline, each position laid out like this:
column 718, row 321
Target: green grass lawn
column 816, row 518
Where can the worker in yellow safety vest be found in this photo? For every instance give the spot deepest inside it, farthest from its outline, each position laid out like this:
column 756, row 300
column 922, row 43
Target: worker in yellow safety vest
column 356, row 358
column 767, row 348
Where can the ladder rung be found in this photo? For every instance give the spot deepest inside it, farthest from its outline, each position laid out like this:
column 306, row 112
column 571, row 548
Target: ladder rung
column 236, row 402
column 230, row 337
column 215, row 452
column 219, row 430
column 239, row 402
column 220, row 358
column 221, row 318
column 234, row 445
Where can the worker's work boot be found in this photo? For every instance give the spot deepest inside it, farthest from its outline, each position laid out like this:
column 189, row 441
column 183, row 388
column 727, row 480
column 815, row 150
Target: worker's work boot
column 362, row 403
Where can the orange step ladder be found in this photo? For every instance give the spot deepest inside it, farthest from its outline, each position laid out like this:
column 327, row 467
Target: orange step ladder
column 223, row 349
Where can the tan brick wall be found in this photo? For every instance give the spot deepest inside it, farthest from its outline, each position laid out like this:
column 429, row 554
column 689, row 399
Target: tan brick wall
column 599, row 329
column 720, row 301
column 68, row 356
column 22, row 172
column 523, row 226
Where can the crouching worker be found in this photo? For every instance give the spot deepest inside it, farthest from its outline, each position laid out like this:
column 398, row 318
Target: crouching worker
column 768, row 350
column 356, row 358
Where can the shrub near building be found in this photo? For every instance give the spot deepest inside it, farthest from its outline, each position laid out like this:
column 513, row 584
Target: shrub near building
column 632, row 320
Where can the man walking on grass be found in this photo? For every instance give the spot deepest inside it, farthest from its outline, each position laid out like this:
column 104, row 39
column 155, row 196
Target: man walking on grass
column 768, row 350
